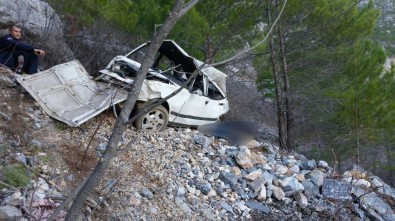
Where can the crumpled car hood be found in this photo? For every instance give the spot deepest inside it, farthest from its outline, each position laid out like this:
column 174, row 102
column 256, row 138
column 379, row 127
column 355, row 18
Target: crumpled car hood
column 67, row 93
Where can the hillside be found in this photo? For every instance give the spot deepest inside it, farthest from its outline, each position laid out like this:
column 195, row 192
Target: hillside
column 385, row 30
column 177, row 174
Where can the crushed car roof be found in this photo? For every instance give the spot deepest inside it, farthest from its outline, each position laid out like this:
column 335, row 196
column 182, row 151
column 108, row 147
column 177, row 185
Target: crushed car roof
column 172, row 50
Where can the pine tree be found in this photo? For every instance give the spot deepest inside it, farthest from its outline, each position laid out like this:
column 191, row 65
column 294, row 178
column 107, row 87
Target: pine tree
column 305, row 51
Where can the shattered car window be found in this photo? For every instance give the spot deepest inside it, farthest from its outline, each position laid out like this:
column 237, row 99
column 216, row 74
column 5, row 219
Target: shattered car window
column 163, row 63
column 213, row 92
column 138, row 55
column 198, row 85
column 123, row 69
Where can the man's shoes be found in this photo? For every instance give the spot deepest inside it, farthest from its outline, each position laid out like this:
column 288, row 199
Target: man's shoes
column 21, row 60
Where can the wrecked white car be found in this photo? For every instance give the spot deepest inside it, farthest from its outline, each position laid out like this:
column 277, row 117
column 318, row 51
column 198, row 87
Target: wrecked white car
column 203, row 101
column 67, row 93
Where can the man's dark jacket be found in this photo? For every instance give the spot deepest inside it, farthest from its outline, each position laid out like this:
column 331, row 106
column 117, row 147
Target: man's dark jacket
column 8, row 45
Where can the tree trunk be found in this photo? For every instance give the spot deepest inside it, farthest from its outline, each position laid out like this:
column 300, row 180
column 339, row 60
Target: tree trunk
column 287, row 90
column 209, row 51
column 111, row 150
column 281, row 121
column 356, row 123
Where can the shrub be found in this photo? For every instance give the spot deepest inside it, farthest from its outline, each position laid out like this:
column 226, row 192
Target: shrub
column 16, row 175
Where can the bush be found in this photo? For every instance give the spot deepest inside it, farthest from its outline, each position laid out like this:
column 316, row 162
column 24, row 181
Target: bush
column 16, row 175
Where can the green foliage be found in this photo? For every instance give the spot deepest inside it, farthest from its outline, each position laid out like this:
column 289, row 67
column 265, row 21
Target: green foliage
column 330, row 63
column 264, row 80
column 4, row 148
column 15, row 175
column 121, row 14
column 188, row 32
column 147, row 15
column 44, row 158
column 320, row 33
column 219, row 28
column 61, row 126
column 360, row 87
column 214, row 28
column 366, row 114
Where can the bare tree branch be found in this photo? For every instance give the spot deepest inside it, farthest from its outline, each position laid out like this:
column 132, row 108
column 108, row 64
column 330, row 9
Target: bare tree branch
column 187, row 7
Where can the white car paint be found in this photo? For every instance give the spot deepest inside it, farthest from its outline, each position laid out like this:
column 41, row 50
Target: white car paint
column 188, row 107
column 67, row 93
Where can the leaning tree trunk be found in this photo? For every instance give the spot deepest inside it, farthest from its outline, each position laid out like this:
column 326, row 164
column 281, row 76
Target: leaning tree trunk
column 111, row 150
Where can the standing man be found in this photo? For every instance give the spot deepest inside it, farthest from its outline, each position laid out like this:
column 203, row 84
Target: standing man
column 16, row 54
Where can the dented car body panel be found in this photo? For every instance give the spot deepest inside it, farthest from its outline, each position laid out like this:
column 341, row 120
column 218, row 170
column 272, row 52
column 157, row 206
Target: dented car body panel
column 67, row 92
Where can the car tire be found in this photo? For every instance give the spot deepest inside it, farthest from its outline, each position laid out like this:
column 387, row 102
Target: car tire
column 155, row 119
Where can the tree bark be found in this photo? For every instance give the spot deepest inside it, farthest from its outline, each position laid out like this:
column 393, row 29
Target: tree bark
column 281, row 121
column 289, row 114
column 120, row 126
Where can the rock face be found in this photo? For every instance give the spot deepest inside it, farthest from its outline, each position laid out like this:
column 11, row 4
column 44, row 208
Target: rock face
column 37, row 19
column 31, row 14
column 10, row 213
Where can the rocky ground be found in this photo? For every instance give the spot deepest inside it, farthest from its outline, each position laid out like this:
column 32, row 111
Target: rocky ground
column 178, row 174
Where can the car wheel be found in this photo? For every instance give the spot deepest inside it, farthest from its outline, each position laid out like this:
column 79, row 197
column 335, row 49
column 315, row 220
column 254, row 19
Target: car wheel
column 155, row 119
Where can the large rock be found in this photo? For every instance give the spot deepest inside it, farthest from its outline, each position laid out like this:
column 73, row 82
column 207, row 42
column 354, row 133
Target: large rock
column 268, row 177
column 253, row 175
column 229, row 178
column 310, row 189
column 257, row 158
column 262, row 194
column 362, row 183
column 183, row 206
column 382, row 187
column 201, row 139
column 5, row 80
column 336, row 190
column 38, row 19
column 10, row 213
column 316, row 176
column 35, row 15
column 259, row 206
column 257, row 184
column 308, row 165
column 4, row 116
column 301, row 199
column 243, row 158
column 370, row 201
column 280, row 169
column 278, row 193
column 291, row 186
column 203, row 186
